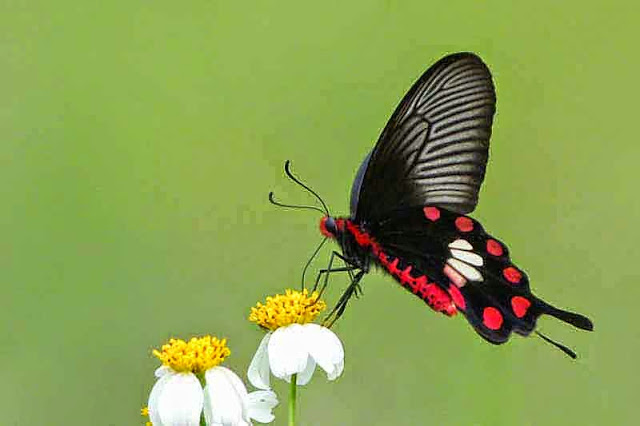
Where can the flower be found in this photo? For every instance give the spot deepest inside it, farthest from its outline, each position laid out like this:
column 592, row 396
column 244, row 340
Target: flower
column 178, row 399
column 293, row 344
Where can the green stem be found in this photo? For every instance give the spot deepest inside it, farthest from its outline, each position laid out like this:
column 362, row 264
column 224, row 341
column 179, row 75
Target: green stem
column 292, row 400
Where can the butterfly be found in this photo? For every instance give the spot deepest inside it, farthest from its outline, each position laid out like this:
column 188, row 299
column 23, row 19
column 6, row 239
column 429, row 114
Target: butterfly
column 409, row 205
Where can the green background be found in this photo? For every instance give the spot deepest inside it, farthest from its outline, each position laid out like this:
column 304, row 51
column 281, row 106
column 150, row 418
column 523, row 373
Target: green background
column 139, row 140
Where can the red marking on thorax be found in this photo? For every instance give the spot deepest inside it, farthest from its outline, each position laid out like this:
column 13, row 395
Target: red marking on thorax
column 464, row 224
column 520, row 306
column 492, row 318
column 432, row 213
column 512, row 275
column 362, row 238
column 494, row 248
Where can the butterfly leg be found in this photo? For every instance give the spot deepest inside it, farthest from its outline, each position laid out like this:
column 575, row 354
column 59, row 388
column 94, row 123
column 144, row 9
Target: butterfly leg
column 338, row 310
column 325, row 272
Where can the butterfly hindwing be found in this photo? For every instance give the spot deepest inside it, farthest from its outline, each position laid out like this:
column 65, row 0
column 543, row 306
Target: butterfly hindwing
column 473, row 267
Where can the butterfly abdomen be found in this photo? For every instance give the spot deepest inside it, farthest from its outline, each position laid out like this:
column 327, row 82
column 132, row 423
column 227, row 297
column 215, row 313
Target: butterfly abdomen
column 407, row 275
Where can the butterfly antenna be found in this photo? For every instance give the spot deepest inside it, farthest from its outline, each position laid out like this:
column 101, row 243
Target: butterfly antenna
column 315, row 253
column 287, row 170
column 560, row 346
column 291, row 206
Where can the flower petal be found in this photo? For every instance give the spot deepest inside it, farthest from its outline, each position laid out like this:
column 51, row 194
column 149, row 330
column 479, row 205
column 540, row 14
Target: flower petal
column 224, row 398
column 176, row 400
column 259, row 405
column 161, row 371
column 305, row 376
column 287, row 351
column 154, row 411
column 258, row 372
column 325, row 348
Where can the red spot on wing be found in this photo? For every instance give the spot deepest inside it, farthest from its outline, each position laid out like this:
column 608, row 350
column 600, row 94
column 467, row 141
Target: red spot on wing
column 432, row 213
column 512, row 275
column 520, row 306
column 494, row 248
column 438, row 299
column 457, row 297
column 464, row 224
column 492, row 318
column 421, row 285
column 454, row 276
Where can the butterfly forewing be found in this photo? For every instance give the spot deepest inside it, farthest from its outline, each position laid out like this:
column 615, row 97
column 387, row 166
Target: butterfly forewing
column 434, row 149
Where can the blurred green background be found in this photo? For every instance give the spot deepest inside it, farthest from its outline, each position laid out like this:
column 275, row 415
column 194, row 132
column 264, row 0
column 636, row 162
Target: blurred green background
column 139, row 141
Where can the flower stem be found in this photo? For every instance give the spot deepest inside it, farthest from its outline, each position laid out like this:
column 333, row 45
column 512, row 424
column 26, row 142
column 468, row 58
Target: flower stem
column 292, row 400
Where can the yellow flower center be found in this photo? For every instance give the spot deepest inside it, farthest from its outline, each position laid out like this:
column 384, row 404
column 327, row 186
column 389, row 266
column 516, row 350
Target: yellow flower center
column 293, row 307
column 197, row 355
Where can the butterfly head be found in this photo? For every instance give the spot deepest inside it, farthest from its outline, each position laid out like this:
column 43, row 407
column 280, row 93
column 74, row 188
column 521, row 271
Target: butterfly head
column 328, row 227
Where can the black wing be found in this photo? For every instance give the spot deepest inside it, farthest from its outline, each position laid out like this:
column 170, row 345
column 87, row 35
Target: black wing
column 434, row 149
column 474, row 268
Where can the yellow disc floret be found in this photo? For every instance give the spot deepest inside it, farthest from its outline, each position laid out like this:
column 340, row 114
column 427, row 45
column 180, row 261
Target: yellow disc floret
column 196, row 356
column 145, row 413
column 293, row 307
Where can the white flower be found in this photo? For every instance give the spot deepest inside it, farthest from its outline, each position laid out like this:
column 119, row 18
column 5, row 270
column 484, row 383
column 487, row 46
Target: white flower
column 227, row 402
column 177, row 398
column 296, row 349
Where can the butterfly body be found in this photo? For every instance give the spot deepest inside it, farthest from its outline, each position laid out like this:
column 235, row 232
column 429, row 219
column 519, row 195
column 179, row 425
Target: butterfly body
column 411, row 197
column 361, row 251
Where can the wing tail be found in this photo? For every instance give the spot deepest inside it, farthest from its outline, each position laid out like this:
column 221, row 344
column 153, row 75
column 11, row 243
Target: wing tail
column 576, row 320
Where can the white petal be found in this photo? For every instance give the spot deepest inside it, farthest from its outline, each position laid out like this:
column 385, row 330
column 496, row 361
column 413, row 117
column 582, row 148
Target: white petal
column 305, row 376
column 287, row 351
column 259, row 405
column 338, row 370
column 161, row 371
column 325, row 348
column 224, row 398
column 258, row 372
column 154, row 410
column 176, row 400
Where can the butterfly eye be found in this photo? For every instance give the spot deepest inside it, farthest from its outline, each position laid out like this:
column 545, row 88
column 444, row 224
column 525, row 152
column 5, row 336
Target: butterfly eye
column 328, row 227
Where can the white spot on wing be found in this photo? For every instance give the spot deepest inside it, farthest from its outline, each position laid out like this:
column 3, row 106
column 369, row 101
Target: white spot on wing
column 469, row 272
column 461, row 244
column 468, row 256
column 454, row 276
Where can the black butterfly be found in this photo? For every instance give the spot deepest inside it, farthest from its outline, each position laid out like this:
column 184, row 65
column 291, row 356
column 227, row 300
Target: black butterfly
column 409, row 201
